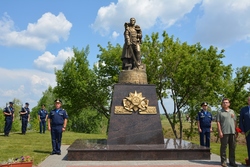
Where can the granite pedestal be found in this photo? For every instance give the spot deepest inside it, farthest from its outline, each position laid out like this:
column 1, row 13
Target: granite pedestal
column 133, row 127
column 135, row 132
column 172, row 149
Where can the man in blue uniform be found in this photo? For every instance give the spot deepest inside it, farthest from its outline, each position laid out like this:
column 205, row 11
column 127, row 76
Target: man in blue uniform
column 9, row 118
column 57, row 122
column 204, row 124
column 42, row 117
column 25, row 117
column 245, row 125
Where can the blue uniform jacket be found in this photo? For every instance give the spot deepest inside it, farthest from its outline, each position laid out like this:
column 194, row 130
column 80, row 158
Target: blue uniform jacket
column 57, row 117
column 24, row 109
column 205, row 119
column 9, row 110
column 42, row 113
column 245, row 119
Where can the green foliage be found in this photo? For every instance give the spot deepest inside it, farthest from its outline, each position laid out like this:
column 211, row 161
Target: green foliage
column 2, row 122
column 86, row 121
column 186, row 72
column 107, row 71
column 162, row 117
column 74, row 80
column 77, row 85
column 236, row 90
column 34, row 123
column 109, row 65
column 190, row 133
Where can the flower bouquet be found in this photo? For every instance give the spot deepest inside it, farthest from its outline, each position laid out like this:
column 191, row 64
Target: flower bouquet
column 238, row 130
column 23, row 161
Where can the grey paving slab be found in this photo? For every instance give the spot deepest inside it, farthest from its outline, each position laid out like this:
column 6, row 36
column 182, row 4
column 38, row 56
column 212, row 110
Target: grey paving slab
column 61, row 161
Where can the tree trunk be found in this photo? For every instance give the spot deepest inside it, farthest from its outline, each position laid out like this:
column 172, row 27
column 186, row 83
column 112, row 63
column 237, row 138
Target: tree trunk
column 172, row 123
column 181, row 126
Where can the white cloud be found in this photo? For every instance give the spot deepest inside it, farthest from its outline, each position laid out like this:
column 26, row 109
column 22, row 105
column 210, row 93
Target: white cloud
column 115, row 35
column 223, row 22
column 48, row 29
column 47, row 62
column 148, row 13
column 25, row 85
column 219, row 23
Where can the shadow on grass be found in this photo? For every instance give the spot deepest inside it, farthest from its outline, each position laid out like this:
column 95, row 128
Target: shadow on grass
column 41, row 151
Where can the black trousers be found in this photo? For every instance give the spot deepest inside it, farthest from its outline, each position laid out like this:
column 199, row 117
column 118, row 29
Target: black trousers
column 7, row 127
column 42, row 126
column 56, row 138
column 24, row 125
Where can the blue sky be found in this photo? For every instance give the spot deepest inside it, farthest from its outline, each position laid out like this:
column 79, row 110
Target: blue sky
column 38, row 36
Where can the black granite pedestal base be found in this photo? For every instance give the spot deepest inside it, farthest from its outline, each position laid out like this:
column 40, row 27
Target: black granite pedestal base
column 135, row 132
column 134, row 128
column 172, row 149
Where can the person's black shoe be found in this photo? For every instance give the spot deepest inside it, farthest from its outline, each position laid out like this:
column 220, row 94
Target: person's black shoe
column 52, row 153
column 58, row 153
column 234, row 165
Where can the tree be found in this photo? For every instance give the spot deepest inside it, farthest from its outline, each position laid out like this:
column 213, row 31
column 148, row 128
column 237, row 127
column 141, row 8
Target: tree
column 236, row 89
column 107, row 70
column 78, row 86
column 183, row 72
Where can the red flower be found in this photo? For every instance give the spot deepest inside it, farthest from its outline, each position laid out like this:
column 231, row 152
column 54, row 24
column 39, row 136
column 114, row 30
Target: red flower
column 238, row 130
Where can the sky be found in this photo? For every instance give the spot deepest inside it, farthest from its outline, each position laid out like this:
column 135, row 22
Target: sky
column 37, row 37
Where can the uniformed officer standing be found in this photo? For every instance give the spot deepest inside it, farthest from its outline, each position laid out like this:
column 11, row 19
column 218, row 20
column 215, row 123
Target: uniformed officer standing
column 57, row 122
column 9, row 118
column 204, row 124
column 42, row 117
column 25, row 117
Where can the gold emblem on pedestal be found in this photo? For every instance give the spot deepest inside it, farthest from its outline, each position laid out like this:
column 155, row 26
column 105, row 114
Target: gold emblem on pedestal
column 135, row 103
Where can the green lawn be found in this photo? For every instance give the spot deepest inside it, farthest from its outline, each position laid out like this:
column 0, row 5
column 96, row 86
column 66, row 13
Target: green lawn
column 35, row 144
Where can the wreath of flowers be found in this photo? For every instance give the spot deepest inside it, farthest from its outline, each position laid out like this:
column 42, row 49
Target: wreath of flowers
column 18, row 160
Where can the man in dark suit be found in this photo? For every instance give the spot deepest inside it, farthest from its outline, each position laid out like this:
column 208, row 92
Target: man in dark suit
column 245, row 125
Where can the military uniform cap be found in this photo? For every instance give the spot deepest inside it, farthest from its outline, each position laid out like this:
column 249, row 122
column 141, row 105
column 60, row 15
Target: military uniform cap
column 27, row 103
column 10, row 102
column 204, row 103
column 58, row 101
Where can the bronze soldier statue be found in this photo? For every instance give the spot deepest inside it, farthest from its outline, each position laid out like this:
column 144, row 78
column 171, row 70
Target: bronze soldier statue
column 131, row 55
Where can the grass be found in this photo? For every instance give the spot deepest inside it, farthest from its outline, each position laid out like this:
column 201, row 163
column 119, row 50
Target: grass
column 39, row 145
column 36, row 145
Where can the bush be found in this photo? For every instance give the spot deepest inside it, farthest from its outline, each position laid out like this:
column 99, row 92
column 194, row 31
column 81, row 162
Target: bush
column 87, row 121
